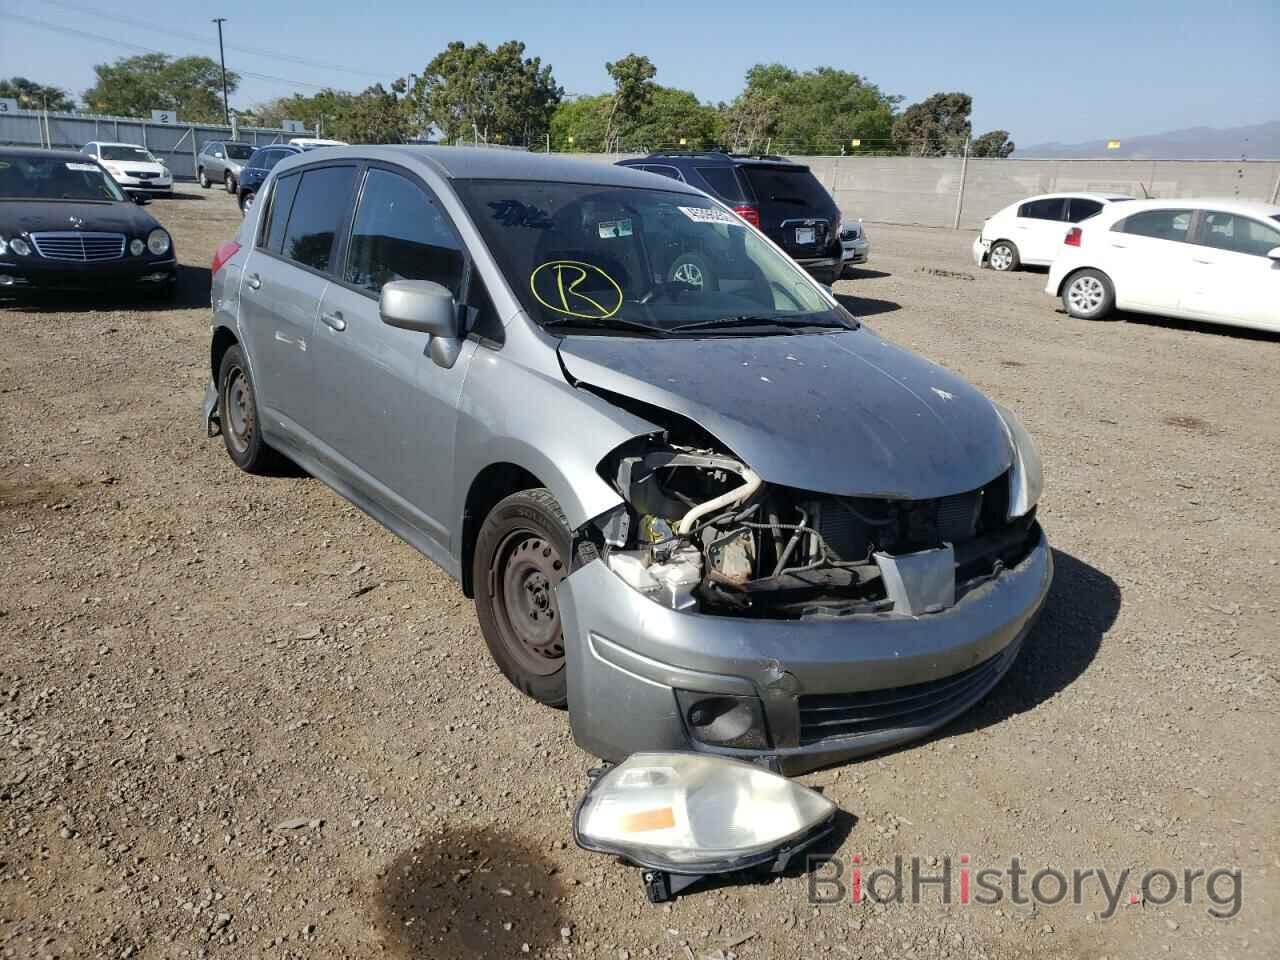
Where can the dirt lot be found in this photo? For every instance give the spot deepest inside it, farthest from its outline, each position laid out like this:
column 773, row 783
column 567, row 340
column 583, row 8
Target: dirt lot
column 192, row 658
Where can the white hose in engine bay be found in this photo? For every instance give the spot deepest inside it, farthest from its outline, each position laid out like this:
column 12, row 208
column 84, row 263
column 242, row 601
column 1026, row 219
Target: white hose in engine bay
column 738, row 495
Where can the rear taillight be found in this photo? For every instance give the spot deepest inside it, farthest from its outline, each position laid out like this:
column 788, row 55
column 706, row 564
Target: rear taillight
column 1073, row 237
column 748, row 213
column 224, row 253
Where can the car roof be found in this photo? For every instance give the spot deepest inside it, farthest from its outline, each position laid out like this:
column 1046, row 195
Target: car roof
column 1248, row 208
column 1082, row 194
column 715, row 156
column 33, row 153
column 481, row 163
column 116, row 143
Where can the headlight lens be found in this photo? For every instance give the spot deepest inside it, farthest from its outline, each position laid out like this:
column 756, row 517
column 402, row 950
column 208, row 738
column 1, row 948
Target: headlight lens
column 688, row 812
column 136, row 247
column 18, row 246
column 1026, row 477
column 158, row 242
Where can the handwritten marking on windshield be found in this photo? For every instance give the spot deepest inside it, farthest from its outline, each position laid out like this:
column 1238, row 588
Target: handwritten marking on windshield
column 556, row 285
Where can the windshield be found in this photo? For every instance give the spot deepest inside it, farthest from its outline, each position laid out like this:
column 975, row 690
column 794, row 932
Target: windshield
column 52, row 178
column 117, row 151
column 598, row 259
column 239, row 151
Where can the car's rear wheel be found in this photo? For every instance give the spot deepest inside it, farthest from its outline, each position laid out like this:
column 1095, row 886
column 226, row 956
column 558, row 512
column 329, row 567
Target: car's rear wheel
column 229, row 182
column 521, row 557
column 695, row 271
column 205, row 182
column 246, row 201
column 238, row 416
column 1004, row 256
column 1089, row 295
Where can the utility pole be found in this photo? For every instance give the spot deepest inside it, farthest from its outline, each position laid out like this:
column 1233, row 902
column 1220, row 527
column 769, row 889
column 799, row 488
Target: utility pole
column 222, row 56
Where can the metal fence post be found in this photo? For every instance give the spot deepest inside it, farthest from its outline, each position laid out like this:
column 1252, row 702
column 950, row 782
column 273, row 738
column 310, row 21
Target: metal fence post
column 1275, row 191
column 964, row 170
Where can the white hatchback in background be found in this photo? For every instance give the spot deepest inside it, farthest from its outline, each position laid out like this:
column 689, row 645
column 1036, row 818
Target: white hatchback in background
column 855, row 245
column 1215, row 260
column 1030, row 231
column 132, row 167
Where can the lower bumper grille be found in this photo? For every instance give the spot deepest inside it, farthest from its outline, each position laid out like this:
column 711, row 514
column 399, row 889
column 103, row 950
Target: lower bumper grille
column 837, row 716
column 79, row 247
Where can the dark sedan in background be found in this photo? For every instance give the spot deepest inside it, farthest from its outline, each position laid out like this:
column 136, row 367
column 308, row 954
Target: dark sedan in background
column 66, row 225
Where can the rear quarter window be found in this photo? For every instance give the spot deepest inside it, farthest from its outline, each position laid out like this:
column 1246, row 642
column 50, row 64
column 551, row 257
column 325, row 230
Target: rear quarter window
column 724, row 183
column 795, row 185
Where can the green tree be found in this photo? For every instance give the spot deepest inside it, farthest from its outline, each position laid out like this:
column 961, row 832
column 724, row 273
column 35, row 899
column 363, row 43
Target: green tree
column 498, row 94
column 133, row 86
column 375, row 116
column 320, row 110
column 633, row 88
column 814, row 111
column 578, row 125
column 35, row 96
column 935, row 127
column 995, row 143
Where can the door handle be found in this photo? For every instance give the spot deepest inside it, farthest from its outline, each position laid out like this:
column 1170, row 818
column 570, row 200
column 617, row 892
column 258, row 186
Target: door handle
column 254, row 281
column 1120, row 246
column 1198, row 260
column 334, row 320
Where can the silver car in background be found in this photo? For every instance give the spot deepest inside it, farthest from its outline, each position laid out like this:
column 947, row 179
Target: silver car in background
column 723, row 517
column 220, row 161
column 854, row 244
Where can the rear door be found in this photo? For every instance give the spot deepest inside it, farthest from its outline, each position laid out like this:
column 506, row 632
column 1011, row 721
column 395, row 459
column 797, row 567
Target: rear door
column 1147, row 255
column 387, row 410
column 1231, row 279
column 284, row 280
column 1039, row 229
column 796, row 212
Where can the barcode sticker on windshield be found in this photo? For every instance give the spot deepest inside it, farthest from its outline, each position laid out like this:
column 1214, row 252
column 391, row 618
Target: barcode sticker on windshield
column 709, row 215
column 85, row 167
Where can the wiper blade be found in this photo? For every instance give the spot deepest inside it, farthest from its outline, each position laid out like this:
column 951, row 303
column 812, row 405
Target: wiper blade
column 605, row 323
column 789, row 323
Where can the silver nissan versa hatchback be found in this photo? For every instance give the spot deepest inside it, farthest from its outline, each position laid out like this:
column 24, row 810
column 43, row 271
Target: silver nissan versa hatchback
column 704, row 508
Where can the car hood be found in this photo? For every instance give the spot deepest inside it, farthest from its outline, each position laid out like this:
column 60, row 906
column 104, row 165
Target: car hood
column 145, row 166
column 848, row 413
column 29, row 216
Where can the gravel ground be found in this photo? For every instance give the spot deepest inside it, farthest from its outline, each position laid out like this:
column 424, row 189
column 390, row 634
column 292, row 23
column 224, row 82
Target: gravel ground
column 239, row 719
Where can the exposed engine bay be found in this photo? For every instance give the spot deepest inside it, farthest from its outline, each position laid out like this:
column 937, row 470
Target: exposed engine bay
column 701, row 532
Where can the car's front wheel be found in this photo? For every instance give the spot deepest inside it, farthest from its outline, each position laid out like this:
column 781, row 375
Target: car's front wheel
column 205, row 182
column 246, row 201
column 521, row 556
column 1089, row 295
column 1004, row 256
column 230, row 182
column 238, row 416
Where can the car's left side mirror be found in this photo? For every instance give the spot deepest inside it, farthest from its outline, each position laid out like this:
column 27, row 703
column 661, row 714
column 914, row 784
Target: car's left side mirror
column 163, row 161
column 1274, row 253
column 141, row 199
column 424, row 307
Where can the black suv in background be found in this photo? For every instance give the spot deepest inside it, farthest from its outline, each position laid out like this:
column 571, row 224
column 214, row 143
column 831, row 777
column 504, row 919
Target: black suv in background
column 784, row 199
column 256, row 169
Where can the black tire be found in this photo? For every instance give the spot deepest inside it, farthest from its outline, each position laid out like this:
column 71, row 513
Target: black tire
column 521, row 555
column 205, row 182
column 238, row 413
column 1089, row 295
column 1007, row 260
column 246, row 202
column 695, row 270
column 229, row 182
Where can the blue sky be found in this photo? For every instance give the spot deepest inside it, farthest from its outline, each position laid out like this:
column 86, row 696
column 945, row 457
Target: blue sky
column 1068, row 72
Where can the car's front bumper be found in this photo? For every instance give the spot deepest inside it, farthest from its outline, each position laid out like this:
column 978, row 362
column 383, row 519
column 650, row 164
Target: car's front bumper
column 981, row 249
column 627, row 655
column 137, row 184
column 856, row 251
column 18, row 274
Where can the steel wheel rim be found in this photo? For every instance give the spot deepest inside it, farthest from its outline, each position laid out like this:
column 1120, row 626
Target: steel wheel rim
column 1086, row 294
column 239, row 414
column 1001, row 258
column 529, row 569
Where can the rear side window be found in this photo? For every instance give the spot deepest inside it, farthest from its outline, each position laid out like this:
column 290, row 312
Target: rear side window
column 319, row 208
column 723, row 182
column 1226, row 231
column 400, row 233
column 1051, row 209
column 1157, row 224
column 278, row 212
column 1081, row 209
column 795, row 186
column 662, row 170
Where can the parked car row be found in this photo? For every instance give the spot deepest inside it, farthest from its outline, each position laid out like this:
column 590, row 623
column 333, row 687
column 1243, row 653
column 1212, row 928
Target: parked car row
column 1212, row 260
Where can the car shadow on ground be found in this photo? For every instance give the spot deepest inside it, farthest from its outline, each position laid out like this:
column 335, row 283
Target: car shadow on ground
column 862, row 273
column 1199, row 326
column 1082, row 605
column 866, row 306
column 467, row 892
column 191, row 292
column 160, row 201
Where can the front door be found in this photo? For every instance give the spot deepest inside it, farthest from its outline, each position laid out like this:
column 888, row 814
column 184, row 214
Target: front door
column 1232, row 280
column 387, row 412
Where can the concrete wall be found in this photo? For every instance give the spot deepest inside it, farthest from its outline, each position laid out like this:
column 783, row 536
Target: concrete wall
column 925, row 191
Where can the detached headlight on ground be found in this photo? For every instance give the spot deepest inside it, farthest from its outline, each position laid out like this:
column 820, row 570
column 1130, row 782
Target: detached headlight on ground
column 158, row 242
column 684, row 816
column 1026, row 476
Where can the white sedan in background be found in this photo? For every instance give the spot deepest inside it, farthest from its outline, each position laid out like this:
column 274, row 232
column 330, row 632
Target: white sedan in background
column 854, row 244
column 1215, row 260
column 133, row 167
column 1030, row 231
